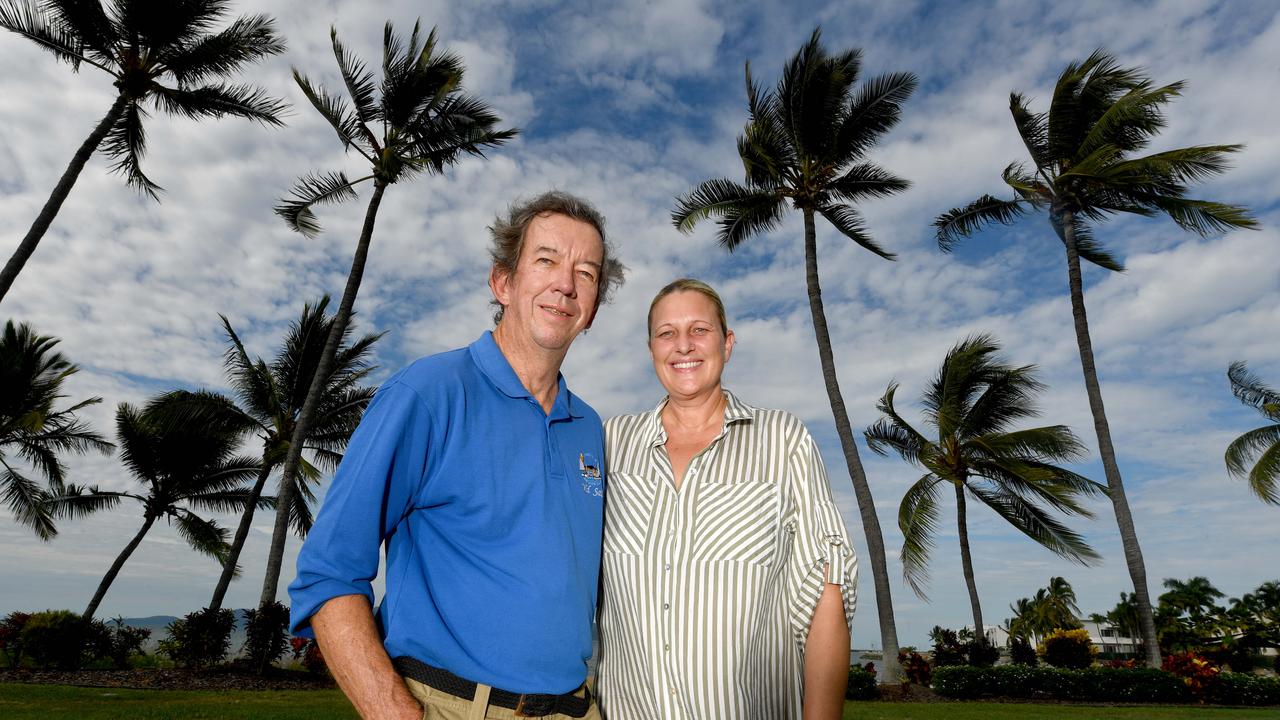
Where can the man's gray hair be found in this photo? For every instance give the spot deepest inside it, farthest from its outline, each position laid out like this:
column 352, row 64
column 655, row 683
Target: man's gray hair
column 508, row 238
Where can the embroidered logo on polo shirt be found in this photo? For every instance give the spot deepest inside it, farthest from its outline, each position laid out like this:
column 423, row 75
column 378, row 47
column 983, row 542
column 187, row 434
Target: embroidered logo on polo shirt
column 589, row 468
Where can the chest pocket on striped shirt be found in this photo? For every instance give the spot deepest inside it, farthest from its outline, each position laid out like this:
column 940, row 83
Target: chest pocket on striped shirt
column 627, row 509
column 736, row 522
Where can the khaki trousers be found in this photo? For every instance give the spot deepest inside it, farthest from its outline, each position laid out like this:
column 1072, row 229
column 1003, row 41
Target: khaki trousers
column 437, row 705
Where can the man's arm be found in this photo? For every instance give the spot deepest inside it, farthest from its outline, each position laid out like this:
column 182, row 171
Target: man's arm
column 353, row 651
column 826, row 658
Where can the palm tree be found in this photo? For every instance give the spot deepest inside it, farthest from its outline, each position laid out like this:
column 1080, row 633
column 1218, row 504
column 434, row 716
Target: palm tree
column 1084, row 170
column 1058, row 604
column 1260, row 446
column 427, row 123
column 970, row 405
column 31, row 376
column 805, row 144
column 143, row 44
column 268, row 399
column 183, row 468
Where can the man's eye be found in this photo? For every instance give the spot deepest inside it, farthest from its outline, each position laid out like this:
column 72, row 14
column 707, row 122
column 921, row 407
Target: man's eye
column 587, row 275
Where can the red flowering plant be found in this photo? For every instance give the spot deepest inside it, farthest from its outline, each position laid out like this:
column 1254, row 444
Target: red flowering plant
column 1126, row 664
column 308, row 651
column 1198, row 673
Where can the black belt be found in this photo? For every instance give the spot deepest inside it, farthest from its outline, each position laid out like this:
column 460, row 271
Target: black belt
column 525, row 704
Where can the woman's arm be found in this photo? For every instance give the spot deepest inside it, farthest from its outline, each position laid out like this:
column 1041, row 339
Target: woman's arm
column 826, row 658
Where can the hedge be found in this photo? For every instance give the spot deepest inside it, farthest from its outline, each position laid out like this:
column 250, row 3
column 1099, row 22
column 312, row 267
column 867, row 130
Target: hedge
column 1100, row 684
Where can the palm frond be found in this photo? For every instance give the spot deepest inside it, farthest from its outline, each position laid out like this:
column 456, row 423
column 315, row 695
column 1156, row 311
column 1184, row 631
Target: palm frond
column 1249, row 388
column 1037, row 525
column 1130, row 122
column 75, row 502
column 204, row 536
column 359, row 81
column 1026, row 185
column 1053, row 442
column 918, row 520
column 1033, row 128
column 247, row 39
column 1204, row 217
column 218, row 101
column 1089, row 249
column 895, row 432
column 231, row 501
column 1006, row 395
column 29, row 21
column 28, row 502
column 849, row 222
column 1263, row 473
column 867, row 180
column 755, row 215
column 211, row 411
column 956, row 224
column 314, row 189
column 334, row 110
column 711, row 198
column 876, row 108
column 126, row 142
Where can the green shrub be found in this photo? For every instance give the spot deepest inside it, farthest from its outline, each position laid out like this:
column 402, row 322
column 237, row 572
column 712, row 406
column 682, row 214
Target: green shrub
column 54, row 638
column 947, row 648
column 114, row 642
column 1233, row 688
column 961, row 682
column 1068, row 649
column 1091, row 684
column 11, row 637
column 861, row 684
column 266, row 635
column 201, row 639
column 982, row 653
column 1021, row 652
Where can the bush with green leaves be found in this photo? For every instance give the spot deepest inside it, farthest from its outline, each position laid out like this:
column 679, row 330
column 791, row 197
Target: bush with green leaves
column 266, row 635
column 947, row 648
column 115, row 641
column 54, row 639
column 1235, row 688
column 1021, row 652
column 200, row 639
column 862, row 683
column 1068, row 649
column 981, row 653
column 915, row 668
column 11, row 637
column 1098, row 684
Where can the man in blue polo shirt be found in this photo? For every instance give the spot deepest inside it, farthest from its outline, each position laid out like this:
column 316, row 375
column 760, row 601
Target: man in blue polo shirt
column 481, row 472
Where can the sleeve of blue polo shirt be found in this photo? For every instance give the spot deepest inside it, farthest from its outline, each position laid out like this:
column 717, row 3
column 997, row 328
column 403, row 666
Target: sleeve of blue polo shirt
column 374, row 488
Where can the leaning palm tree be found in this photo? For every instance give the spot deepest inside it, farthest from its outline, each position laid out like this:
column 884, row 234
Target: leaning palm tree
column 971, row 404
column 162, row 51
column 183, row 469
column 1058, row 603
column 31, row 429
column 1259, row 447
column 268, row 398
column 425, row 123
column 1085, row 169
column 805, row 145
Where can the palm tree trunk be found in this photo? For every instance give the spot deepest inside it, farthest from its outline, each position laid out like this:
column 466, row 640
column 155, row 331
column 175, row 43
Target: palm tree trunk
column 866, row 507
column 60, row 193
column 237, row 544
column 284, row 499
column 1115, row 485
column 115, row 567
column 966, row 562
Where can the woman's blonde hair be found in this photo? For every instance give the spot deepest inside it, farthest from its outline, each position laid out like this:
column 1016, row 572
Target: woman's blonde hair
column 690, row 285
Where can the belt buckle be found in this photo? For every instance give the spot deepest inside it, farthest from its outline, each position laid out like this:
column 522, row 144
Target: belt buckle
column 535, row 705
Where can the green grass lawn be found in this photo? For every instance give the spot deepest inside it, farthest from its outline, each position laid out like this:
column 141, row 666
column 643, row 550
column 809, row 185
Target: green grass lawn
column 58, row 702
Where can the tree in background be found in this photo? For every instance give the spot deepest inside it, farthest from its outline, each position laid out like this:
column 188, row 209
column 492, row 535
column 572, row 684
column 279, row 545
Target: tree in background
column 1259, row 447
column 805, row 145
column 31, row 429
column 162, row 51
column 426, row 123
column 182, row 468
column 1084, row 169
column 268, row 398
column 970, row 406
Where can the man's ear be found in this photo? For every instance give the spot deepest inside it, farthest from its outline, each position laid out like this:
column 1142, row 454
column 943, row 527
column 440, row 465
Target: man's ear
column 499, row 285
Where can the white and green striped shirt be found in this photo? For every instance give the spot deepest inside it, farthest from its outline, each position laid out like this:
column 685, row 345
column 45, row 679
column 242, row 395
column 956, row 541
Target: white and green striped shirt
column 708, row 591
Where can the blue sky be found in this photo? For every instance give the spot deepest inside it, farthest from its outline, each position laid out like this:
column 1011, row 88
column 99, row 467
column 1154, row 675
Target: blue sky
column 629, row 106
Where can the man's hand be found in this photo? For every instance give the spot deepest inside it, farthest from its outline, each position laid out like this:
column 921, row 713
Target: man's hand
column 826, row 658
column 353, row 650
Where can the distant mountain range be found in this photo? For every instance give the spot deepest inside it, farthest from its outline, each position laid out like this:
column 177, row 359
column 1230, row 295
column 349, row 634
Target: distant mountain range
column 159, row 624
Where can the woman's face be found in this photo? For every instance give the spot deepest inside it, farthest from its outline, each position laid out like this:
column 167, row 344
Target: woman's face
column 688, row 345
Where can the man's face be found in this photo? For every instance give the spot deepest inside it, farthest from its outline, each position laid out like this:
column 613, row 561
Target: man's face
column 551, row 296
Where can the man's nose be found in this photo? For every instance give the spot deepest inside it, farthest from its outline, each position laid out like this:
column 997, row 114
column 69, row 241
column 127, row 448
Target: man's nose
column 564, row 281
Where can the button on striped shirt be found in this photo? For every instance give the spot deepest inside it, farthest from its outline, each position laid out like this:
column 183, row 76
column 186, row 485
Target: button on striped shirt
column 708, row 591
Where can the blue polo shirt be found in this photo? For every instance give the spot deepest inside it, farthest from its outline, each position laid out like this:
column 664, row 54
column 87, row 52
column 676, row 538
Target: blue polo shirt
column 490, row 510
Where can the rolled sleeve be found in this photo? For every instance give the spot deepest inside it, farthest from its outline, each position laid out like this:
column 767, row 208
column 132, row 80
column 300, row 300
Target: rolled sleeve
column 821, row 541
column 374, row 488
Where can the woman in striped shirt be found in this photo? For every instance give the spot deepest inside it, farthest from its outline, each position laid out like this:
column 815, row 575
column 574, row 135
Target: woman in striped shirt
column 728, row 577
